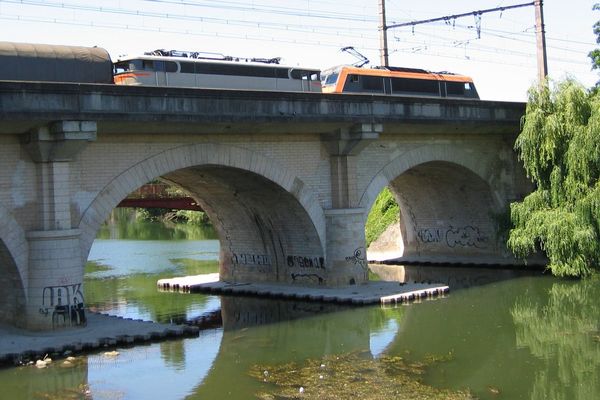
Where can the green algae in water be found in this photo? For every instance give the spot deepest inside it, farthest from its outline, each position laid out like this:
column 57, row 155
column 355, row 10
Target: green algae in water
column 349, row 376
column 95, row 266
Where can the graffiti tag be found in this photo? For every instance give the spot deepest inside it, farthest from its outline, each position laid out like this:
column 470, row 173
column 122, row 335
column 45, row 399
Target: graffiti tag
column 64, row 304
column 306, row 262
column 313, row 278
column 466, row 236
column 430, row 235
column 359, row 257
column 251, row 259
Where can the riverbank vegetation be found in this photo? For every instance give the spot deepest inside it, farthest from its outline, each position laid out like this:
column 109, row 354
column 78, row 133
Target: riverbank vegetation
column 384, row 212
column 560, row 148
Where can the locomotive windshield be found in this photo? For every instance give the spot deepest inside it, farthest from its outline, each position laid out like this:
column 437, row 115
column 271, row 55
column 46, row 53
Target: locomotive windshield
column 330, row 79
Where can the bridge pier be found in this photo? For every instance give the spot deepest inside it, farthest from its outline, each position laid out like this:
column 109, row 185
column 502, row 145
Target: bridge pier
column 54, row 292
column 346, row 254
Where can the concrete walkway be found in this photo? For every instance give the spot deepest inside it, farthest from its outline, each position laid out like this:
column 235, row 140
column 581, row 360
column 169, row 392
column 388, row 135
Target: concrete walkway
column 18, row 346
column 372, row 292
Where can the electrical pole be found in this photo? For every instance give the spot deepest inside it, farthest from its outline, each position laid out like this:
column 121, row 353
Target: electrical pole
column 383, row 44
column 542, row 60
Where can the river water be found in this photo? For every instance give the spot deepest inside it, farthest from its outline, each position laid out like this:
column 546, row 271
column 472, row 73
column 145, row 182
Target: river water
column 497, row 335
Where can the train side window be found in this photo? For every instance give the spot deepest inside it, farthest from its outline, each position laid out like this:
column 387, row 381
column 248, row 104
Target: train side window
column 298, row 74
column 455, row 88
column 372, row 83
column 171, row 66
column 304, row 74
column 186, row 67
column 240, row 70
column 148, row 65
column 136, row 65
column 121, row 67
column 264, row 72
column 424, row 86
column 165, row 66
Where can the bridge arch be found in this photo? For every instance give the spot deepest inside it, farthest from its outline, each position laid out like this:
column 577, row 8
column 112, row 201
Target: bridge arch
column 449, row 210
column 13, row 269
column 268, row 220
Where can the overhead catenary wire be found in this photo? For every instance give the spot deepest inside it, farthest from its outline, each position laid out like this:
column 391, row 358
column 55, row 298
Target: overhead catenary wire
column 456, row 16
column 226, row 21
column 315, row 33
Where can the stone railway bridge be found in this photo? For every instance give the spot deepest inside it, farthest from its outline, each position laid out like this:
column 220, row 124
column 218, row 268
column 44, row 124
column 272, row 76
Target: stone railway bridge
column 286, row 178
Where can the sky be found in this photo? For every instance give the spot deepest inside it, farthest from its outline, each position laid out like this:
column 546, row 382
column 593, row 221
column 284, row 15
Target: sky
column 498, row 50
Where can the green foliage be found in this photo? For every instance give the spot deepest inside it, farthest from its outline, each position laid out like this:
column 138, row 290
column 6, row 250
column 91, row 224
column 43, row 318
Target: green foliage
column 150, row 214
column 595, row 54
column 192, row 217
column 560, row 147
column 385, row 211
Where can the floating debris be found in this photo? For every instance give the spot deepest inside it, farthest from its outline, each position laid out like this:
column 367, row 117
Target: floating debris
column 493, row 390
column 346, row 375
column 43, row 363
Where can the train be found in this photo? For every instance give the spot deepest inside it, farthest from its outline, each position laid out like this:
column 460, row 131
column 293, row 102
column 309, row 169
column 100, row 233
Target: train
column 397, row 81
column 54, row 63
column 209, row 70
column 173, row 68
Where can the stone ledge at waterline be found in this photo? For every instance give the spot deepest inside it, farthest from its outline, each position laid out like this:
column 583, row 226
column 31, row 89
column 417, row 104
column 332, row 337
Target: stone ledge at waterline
column 19, row 346
column 372, row 292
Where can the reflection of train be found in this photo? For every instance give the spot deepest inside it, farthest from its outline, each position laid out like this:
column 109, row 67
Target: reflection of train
column 189, row 69
column 397, row 82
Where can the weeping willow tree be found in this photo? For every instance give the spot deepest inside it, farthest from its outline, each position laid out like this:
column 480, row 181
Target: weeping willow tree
column 560, row 147
column 595, row 54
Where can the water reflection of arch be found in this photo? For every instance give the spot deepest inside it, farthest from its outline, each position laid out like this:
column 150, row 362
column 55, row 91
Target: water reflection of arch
column 267, row 332
column 254, row 202
column 13, row 269
column 446, row 201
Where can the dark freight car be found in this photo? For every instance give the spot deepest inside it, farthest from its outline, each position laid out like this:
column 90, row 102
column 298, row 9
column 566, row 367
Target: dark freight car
column 54, row 63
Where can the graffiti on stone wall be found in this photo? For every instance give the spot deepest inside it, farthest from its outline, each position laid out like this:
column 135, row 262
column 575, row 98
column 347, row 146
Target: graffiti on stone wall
column 430, row 235
column 465, row 236
column 306, row 262
column 250, row 259
column 359, row 258
column 307, row 278
column 64, row 304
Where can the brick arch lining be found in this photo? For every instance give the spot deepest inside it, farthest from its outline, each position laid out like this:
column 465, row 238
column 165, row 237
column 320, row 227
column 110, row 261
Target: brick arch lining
column 451, row 154
column 448, row 210
column 224, row 167
column 264, row 230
